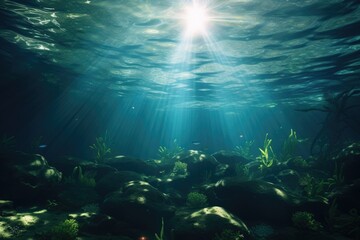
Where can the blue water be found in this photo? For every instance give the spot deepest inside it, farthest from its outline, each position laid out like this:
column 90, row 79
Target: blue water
column 71, row 71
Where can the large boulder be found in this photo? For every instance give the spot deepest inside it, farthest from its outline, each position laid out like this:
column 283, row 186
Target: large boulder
column 204, row 224
column 139, row 204
column 258, row 200
column 67, row 165
column 27, row 177
column 113, row 181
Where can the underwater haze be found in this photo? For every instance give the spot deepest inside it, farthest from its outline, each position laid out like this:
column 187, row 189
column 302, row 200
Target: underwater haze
column 263, row 90
column 72, row 70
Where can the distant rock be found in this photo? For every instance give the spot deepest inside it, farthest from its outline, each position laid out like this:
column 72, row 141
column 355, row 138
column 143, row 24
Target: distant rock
column 205, row 223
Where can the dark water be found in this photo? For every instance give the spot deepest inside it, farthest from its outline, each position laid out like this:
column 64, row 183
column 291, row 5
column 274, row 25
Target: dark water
column 71, row 71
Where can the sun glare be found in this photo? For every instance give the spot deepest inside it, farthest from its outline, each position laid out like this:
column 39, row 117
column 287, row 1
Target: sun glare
column 196, row 19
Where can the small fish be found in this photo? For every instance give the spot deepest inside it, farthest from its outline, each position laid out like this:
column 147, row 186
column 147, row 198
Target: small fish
column 196, row 143
column 42, row 146
column 241, row 136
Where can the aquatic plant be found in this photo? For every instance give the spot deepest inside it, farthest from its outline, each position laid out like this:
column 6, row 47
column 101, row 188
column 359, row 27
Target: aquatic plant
column 101, row 148
column 229, row 234
column 289, row 147
column 196, row 200
column 78, row 177
column 167, row 154
column 267, row 156
column 299, row 162
column 305, row 221
column 337, row 179
column 315, row 187
column 160, row 236
column 312, row 186
column 245, row 150
column 67, row 230
column 243, row 171
column 7, row 144
column 180, row 168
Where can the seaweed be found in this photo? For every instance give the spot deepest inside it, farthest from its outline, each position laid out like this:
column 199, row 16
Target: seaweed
column 160, row 236
column 167, row 154
column 180, row 168
column 67, row 230
column 196, row 200
column 101, row 148
column 290, row 145
column 244, row 150
column 305, row 221
column 267, row 156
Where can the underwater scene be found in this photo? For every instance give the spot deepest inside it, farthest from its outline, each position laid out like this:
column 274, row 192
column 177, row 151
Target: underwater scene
column 180, row 120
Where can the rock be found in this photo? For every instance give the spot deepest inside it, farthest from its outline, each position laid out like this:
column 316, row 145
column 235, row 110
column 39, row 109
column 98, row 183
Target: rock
column 258, row 200
column 75, row 197
column 113, row 181
column 139, row 204
column 27, row 177
column 124, row 163
column 254, row 200
column 67, row 165
column 200, row 166
column 205, row 223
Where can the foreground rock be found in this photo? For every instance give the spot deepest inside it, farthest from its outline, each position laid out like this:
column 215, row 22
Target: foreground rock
column 25, row 178
column 205, row 223
column 258, row 200
column 138, row 204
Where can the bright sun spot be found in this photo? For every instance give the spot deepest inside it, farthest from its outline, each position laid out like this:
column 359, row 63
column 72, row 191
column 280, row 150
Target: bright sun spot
column 196, row 19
